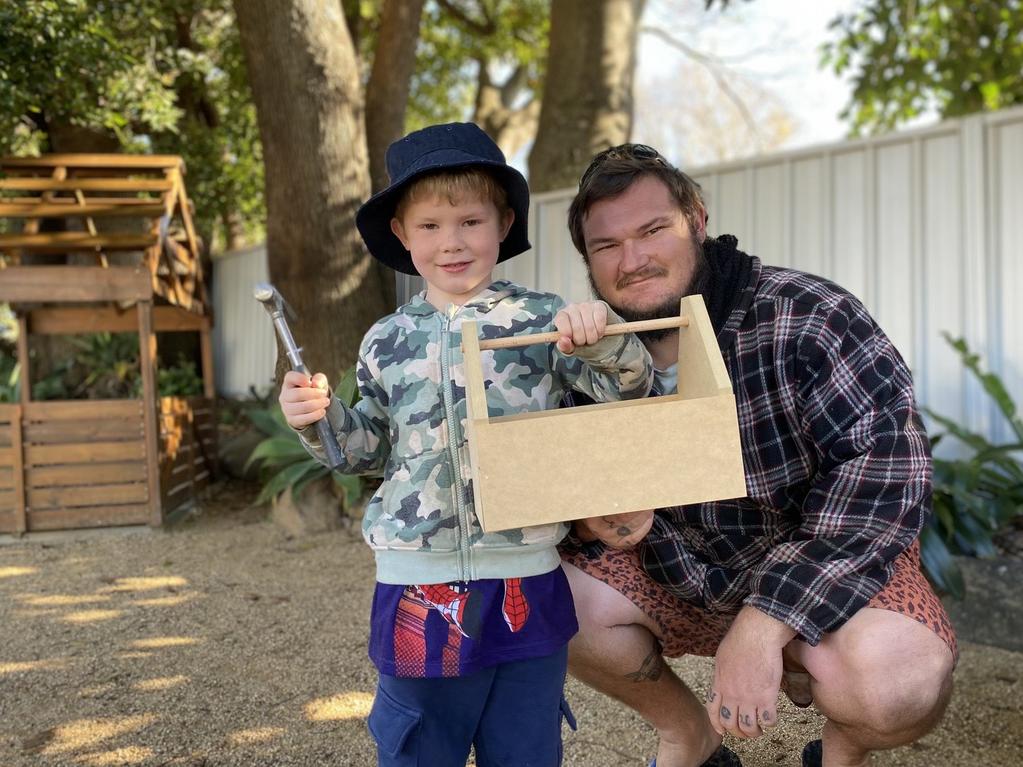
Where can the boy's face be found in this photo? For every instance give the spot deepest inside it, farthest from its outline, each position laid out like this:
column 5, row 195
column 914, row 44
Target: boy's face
column 453, row 247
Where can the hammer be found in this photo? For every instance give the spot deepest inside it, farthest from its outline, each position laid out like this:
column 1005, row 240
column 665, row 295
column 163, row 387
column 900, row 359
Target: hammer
column 277, row 307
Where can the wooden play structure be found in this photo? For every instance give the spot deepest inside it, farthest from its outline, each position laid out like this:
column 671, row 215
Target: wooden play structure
column 626, row 456
column 91, row 243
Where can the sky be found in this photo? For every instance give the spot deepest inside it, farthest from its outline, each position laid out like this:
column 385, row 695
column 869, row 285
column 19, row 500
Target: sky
column 765, row 42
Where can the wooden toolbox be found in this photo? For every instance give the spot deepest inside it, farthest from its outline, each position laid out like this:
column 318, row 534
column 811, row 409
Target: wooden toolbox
column 589, row 461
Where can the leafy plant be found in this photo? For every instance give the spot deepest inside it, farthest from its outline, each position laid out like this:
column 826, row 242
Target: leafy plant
column 8, row 378
column 286, row 464
column 974, row 497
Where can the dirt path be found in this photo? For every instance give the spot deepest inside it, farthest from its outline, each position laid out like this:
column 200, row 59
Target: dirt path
column 222, row 642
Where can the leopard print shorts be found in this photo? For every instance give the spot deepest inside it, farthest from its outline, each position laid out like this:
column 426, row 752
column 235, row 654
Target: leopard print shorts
column 689, row 630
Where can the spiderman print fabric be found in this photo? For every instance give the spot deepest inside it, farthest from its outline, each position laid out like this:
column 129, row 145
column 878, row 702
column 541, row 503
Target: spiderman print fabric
column 455, row 629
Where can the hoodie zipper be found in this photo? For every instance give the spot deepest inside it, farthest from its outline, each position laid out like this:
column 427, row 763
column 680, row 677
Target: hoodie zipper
column 464, row 548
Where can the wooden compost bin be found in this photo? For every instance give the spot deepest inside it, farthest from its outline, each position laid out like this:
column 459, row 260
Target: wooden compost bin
column 95, row 463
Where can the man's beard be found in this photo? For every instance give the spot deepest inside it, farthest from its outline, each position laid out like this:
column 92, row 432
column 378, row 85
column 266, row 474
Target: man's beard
column 670, row 306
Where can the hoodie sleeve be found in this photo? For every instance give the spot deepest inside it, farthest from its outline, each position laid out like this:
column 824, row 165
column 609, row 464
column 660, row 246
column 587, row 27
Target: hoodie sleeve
column 362, row 431
column 614, row 368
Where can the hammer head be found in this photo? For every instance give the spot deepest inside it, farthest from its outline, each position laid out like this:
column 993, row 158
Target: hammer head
column 272, row 300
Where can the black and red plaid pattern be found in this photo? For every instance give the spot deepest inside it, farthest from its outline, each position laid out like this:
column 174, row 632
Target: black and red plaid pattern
column 837, row 463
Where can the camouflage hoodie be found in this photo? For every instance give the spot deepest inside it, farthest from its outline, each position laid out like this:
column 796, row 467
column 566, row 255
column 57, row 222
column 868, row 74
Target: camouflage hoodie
column 409, row 426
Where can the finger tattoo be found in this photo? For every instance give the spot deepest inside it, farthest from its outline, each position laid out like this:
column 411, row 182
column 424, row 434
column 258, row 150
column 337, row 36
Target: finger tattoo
column 725, row 713
column 765, row 715
column 711, row 695
column 747, row 721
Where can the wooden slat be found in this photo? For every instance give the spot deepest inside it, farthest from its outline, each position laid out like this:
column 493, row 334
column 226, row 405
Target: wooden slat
column 88, row 210
column 58, row 242
column 72, row 320
column 63, row 432
column 18, row 472
column 94, row 516
column 83, row 410
column 86, row 495
column 7, row 500
column 6, row 456
column 8, row 412
column 74, row 283
column 6, row 521
column 73, row 201
column 147, row 361
column 94, row 160
column 90, row 474
column 87, row 184
column 98, row 452
column 6, row 478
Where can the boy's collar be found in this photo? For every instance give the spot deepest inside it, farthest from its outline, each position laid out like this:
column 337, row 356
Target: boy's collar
column 482, row 302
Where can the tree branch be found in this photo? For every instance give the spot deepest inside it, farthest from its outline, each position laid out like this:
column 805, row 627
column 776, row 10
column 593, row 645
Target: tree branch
column 714, row 67
column 486, row 27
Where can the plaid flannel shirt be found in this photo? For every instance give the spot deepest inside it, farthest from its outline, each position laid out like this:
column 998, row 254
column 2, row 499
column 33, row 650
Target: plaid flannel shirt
column 837, row 463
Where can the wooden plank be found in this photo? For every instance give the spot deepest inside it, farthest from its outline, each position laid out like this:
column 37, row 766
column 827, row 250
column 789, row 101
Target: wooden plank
column 71, row 202
column 90, row 452
column 8, row 412
column 206, row 347
column 86, row 185
column 86, row 495
column 83, row 409
column 7, row 504
column 94, row 160
column 18, row 475
column 88, row 210
column 147, row 361
column 72, row 320
column 6, row 521
column 92, row 516
column 6, row 456
column 59, row 242
column 90, row 474
column 74, row 283
column 63, row 432
column 6, row 478
column 24, row 364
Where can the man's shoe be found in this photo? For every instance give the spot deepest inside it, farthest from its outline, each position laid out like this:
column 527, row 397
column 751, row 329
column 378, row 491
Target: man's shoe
column 813, row 754
column 723, row 757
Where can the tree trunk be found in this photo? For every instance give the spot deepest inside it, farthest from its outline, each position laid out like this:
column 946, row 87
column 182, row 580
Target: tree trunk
column 511, row 125
column 305, row 84
column 390, row 81
column 587, row 99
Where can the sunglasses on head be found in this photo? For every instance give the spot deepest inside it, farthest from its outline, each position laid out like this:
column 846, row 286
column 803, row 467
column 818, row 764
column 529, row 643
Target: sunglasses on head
column 622, row 152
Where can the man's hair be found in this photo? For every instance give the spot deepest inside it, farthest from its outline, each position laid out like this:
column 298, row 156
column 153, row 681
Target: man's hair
column 456, row 186
column 616, row 169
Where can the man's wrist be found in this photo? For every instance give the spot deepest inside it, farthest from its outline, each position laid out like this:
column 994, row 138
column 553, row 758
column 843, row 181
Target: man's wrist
column 770, row 631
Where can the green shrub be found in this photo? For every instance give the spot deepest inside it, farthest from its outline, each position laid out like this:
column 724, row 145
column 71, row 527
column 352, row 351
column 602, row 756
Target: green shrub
column 286, row 464
column 975, row 496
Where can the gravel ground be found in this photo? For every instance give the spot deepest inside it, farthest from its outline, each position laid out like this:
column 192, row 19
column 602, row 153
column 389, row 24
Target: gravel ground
column 223, row 642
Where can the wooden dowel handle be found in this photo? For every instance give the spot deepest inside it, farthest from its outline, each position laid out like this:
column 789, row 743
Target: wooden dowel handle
column 508, row 342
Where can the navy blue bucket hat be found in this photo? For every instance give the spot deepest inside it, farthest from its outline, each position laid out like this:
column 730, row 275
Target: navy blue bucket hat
column 433, row 149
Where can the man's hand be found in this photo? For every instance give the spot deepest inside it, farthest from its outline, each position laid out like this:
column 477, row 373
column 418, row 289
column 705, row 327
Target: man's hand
column 619, row 531
column 304, row 400
column 580, row 324
column 743, row 698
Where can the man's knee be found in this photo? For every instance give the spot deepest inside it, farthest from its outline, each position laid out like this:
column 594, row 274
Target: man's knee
column 599, row 606
column 895, row 672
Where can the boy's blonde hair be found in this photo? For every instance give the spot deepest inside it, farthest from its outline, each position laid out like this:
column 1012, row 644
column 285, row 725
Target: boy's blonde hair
column 456, row 186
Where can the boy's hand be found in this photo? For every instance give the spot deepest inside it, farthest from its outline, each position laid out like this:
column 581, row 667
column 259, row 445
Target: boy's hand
column 580, row 324
column 304, row 400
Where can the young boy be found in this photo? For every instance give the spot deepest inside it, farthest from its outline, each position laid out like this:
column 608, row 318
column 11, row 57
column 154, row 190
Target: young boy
column 469, row 631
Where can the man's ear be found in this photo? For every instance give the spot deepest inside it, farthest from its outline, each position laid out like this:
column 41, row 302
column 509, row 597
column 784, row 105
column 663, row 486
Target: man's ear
column 509, row 219
column 701, row 224
column 399, row 231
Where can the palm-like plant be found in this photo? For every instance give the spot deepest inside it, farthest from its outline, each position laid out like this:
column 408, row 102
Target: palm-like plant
column 977, row 496
column 287, row 465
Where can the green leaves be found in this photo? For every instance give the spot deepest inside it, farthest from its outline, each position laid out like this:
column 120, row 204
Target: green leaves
column 977, row 496
column 953, row 56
